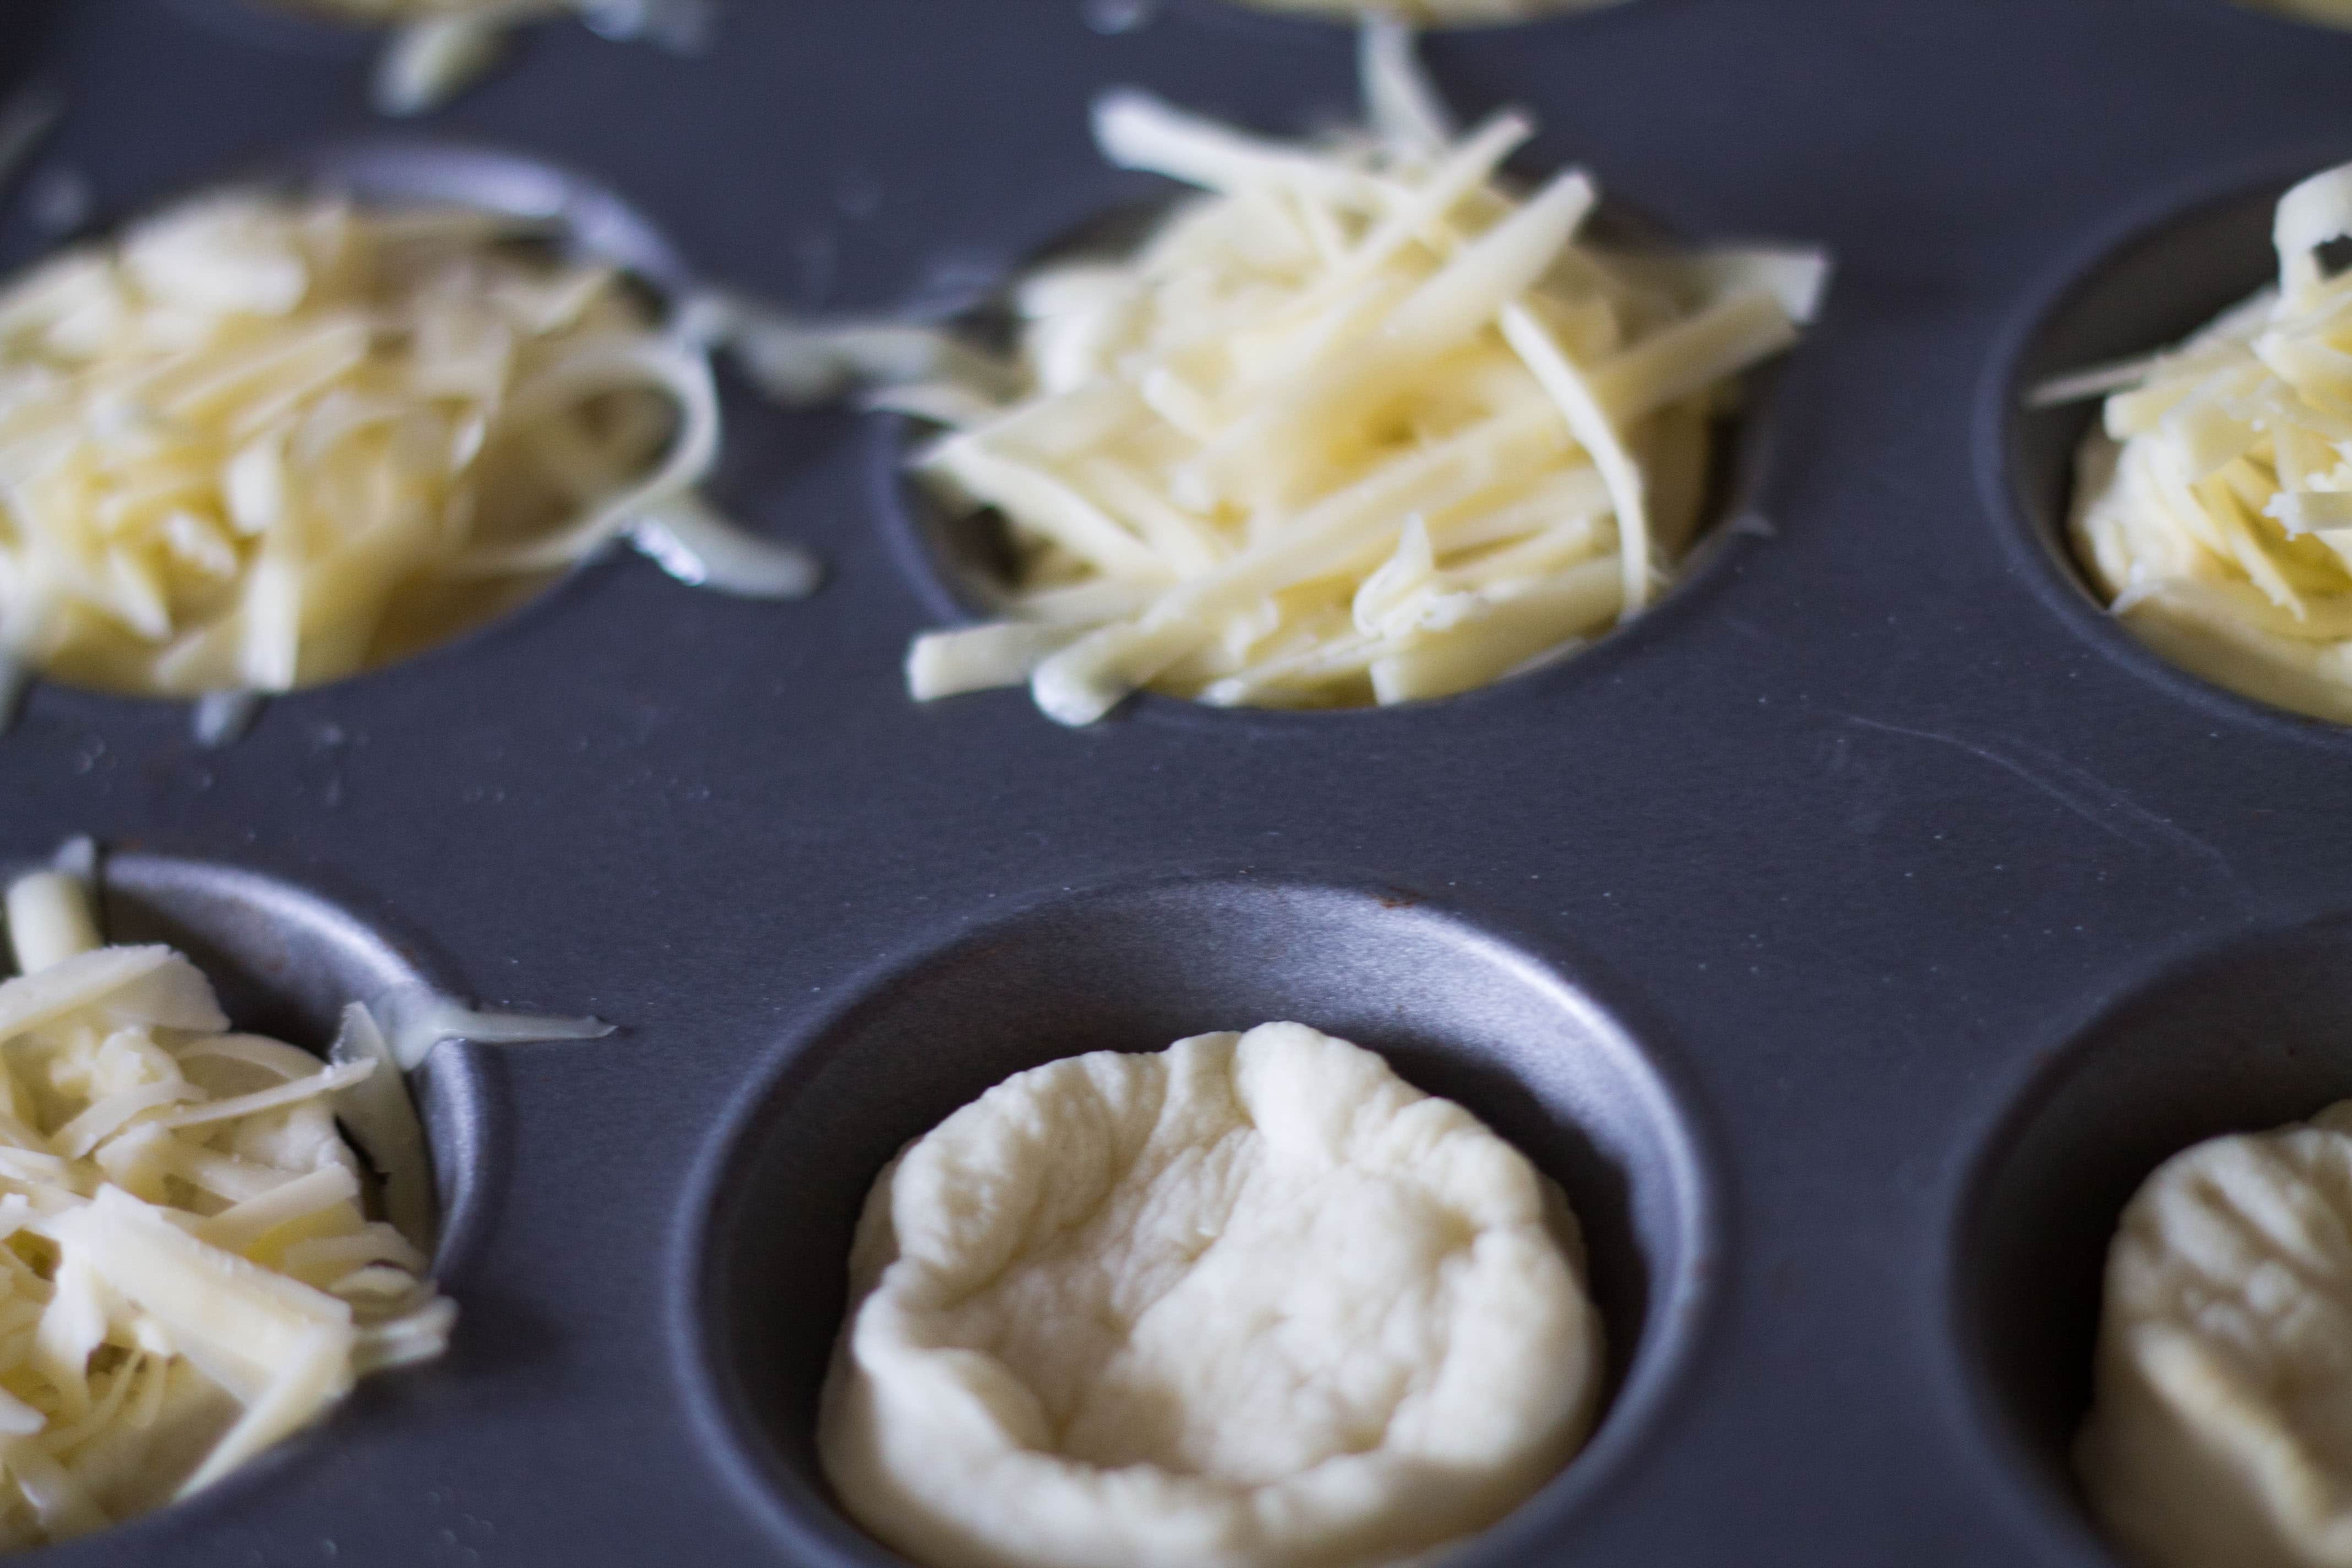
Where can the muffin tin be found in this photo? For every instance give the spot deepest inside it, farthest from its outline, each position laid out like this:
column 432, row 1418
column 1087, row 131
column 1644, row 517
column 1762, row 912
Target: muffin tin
column 1850, row 934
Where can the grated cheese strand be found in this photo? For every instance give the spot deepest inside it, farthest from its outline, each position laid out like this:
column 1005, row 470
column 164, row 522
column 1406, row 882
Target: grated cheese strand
column 440, row 47
column 49, row 919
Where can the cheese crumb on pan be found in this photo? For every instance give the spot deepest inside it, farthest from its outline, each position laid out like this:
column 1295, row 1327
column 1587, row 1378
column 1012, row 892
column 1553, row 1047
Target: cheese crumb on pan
column 2214, row 501
column 439, row 47
column 1252, row 1301
column 1360, row 424
column 2217, row 1435
column 260, row 442
column 188, row 1268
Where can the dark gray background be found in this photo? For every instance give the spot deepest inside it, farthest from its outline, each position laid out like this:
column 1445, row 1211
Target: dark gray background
column 1865, row 825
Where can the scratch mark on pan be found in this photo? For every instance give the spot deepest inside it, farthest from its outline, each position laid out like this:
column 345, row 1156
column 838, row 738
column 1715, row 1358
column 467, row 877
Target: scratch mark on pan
column 2087, row 796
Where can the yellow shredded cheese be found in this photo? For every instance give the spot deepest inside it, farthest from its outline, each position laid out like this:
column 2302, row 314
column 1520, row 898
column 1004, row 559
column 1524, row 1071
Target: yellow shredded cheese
column 1359, row 424
column 2213, row 500
column 188, row 1272
column 261, row 442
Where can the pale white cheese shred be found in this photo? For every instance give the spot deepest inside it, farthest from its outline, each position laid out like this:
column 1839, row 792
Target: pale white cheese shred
column 2213, row 500
column 260, row 442
column 426, row 63
column 1359, row 424
column 440, row 47
column 187, row 1269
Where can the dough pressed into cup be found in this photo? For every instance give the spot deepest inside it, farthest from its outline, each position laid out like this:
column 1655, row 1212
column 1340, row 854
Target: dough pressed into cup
column 1440, row 12
column 2221, row 1435
column 1251, row 1300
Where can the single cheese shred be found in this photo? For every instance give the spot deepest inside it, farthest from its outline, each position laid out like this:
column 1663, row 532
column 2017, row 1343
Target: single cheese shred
column 1360, row 424
column 439, row 47
column 2213, row 500
column 261, row 442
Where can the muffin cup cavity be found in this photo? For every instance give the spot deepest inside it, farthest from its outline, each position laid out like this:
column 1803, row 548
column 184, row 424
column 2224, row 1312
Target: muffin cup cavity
column 284, row 961
column 581, row 220
column 1458, row 1011
column 2243, row 1038
column 2149, row 286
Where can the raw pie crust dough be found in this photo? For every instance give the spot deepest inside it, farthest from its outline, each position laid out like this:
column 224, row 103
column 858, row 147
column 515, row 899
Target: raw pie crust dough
column 2222, row 1432
column 1250, row 1301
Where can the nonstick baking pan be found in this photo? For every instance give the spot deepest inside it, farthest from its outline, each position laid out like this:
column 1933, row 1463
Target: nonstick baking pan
column 1850, row 934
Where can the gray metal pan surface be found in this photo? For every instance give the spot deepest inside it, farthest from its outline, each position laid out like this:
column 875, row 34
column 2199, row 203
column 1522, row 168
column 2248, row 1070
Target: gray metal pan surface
column 1849, row 934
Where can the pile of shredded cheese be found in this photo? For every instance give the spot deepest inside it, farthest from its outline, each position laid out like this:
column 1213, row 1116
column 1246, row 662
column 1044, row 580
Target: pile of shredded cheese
column 439, row 47
column 2213, row 504
column 187, row 1269
column 1359, row 425
column 260, row 442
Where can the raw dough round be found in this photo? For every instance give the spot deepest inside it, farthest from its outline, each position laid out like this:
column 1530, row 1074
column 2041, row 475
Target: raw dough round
column 1252, row 1301
column 2222, row 1432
